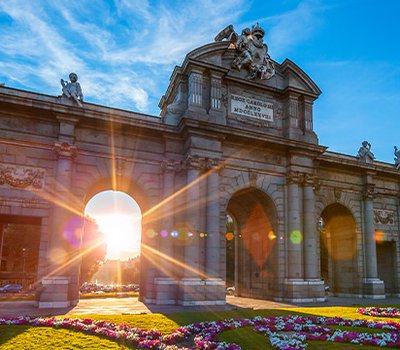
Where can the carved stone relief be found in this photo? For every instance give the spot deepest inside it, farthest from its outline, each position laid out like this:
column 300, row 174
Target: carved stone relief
column 21, row 177
column 385, row 217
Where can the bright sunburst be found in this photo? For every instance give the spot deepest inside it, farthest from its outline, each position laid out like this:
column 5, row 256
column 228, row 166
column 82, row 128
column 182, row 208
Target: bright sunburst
column 119, row 218
column 121, row 232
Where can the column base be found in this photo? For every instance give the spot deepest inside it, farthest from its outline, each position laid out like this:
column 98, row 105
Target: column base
column 373, row 288
column 215, row 291
column 304, row 291
column 166, row 290
column 196, row 291
column 55, row 293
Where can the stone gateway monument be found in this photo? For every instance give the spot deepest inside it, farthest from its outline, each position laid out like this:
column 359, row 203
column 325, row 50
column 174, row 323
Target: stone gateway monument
column 234, row 188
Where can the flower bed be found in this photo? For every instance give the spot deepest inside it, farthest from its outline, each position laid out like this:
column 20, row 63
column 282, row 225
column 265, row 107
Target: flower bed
column 284, row 332
column 379, row 311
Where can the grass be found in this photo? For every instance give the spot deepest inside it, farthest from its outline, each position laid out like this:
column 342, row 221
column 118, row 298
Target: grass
column 23, row 337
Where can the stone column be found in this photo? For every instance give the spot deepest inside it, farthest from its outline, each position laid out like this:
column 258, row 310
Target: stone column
column 311, row 258
column 312, row 273
column 192, row 251
column 60, row 286
column 373, row 287
column 166, row 282
column 214, row 284
column 295, row 234
column 192, row 285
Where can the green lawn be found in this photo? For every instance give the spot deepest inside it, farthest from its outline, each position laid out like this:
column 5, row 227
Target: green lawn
column 24, row 337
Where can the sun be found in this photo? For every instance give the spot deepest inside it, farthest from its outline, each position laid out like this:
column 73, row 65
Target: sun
column 119, row 219
column 122, row 234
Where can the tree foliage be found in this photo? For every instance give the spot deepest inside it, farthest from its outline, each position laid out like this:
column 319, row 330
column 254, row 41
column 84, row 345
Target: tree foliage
column 93, row 249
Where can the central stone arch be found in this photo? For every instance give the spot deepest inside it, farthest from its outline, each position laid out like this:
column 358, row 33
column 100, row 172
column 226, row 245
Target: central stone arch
column 338, row 249
column 256, row 250
column 138, row 192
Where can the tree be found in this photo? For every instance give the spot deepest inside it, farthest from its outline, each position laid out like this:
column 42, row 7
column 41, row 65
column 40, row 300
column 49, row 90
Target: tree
column 131, row 271
column 93, row 249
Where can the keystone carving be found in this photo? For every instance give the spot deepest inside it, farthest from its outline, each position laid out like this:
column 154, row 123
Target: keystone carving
column 253, row 176
column 22, row 177
column 385, row 217
column 338, row 194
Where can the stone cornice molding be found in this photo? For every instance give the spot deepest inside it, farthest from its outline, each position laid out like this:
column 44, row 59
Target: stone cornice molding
column 65, row 150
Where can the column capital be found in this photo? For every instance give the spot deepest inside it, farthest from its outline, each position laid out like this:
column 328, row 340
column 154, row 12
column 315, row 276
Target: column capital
column 212, row 163
column 295, row 177
column 310, row 180
column 170, row 165
column 65, row 150
column 369, row 192
column 194, row 162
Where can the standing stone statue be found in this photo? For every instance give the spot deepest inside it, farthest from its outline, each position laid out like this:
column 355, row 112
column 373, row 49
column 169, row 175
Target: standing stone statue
column 397, row 158
column 72, row 90
column 364, row 153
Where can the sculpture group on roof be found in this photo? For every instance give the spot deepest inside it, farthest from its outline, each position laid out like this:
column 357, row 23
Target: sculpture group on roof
column 252, row 52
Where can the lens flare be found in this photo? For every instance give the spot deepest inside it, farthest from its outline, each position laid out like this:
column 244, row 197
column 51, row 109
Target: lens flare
column 229, row 236
column 271, row 235
column 379, row 236
column 164, row 233
column 296, row 237
column 151, row 233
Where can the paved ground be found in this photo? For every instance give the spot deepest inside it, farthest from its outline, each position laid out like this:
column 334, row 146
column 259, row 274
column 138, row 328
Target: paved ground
column 133, row 306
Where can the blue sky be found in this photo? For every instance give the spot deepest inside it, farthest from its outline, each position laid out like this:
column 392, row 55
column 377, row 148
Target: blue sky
column 124, row 51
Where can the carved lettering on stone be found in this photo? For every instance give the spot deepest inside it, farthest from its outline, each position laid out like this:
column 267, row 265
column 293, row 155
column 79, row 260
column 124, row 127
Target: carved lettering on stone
column 385, row 217
column 21, row 177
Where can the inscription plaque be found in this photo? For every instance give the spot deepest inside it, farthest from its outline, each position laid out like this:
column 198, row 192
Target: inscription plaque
column 251, row 107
